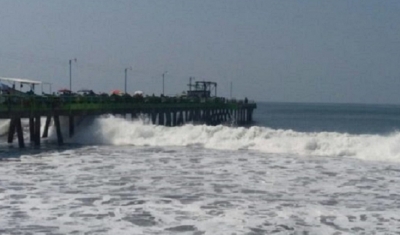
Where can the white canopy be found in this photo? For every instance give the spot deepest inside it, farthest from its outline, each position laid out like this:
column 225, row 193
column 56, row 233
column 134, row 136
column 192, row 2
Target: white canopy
column 20, row 80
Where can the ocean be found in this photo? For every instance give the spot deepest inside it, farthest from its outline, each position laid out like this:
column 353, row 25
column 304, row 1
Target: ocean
column 300, row 169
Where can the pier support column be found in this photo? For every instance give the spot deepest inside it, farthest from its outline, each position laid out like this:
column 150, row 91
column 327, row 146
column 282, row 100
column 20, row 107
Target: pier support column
column 153, row 117
column 174, row 118
column 196, row 115
column 250, row 115
column 236, row 116
column 11, row 131
column 205, row 116
column 46, row 127
column 32, row 129
column 36, row 138
column 58, row 129
column 71, row 126
column 180, row 117
column 20, row 134
column 186, row 112
column 161, row 118
column 189, row 115
column 168, row 117
column 133, row 115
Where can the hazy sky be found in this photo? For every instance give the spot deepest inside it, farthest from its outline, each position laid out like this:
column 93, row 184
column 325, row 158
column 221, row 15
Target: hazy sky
column 286, row 50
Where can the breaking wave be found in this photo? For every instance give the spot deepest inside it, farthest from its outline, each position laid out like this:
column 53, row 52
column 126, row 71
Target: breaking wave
column 112, row 130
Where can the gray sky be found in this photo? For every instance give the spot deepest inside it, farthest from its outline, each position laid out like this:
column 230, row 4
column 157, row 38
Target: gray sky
column 286, row 50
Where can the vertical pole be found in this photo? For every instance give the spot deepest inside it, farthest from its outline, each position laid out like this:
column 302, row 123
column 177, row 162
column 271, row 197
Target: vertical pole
column 174, row 117
column 37, row 131
column 19, row 132
column 224, row 115
column 163, row 75
column 194, row 115
column 251, row 115
column 168, row 117
column 205, row 116
column 153, row 117
column 31, row 129
column 11, row 131
column 58, row 129
column 180, row 117
column 231, row 90
column 191, row 115
column 212, row 116
column 70, row 75
column 71, row 126
column 186, row 112
column 126, row 71
column 190, row 83
column 134, row 115
column 235, row 114
column 161, row 117
column 46, row 127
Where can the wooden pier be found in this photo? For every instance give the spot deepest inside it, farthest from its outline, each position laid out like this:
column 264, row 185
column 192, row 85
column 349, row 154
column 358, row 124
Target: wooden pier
column 167, row 111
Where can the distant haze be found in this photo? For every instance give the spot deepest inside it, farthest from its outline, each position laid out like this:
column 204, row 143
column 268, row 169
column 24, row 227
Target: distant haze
column 290, row 51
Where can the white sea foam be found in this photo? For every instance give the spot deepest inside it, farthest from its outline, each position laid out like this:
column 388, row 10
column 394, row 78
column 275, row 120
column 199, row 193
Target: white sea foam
column 112, row 130
column 4, row 124
column 173, row 190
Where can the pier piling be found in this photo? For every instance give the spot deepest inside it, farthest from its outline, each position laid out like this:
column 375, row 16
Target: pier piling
column 11, row 131
column 60, row 140
column 20, row 135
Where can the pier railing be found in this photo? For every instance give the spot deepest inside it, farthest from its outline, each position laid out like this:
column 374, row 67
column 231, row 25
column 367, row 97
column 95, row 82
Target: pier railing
column 26, row 105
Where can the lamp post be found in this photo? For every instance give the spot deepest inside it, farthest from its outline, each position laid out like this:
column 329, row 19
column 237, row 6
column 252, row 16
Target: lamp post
column 163, row 75
column 126, row 75
column 190, row 83
column 70, row 74
column 231, row 90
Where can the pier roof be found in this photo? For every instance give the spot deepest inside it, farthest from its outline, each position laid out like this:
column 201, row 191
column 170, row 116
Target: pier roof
column 20, row 80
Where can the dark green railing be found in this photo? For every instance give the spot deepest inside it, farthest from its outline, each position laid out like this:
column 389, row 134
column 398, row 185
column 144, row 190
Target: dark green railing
column 34, row 103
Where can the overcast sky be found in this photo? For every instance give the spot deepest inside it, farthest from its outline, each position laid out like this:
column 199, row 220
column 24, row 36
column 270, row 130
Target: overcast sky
column 286, row 50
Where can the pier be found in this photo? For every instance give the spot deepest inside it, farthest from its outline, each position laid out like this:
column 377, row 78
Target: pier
column 197, row 106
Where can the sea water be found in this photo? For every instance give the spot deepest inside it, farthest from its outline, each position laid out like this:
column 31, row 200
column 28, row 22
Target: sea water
column 301, row 169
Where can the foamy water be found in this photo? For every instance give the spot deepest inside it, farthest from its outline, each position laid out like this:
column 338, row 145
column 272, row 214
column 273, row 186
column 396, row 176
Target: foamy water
column 135, row 178
column 191, row 190
column 112, row 130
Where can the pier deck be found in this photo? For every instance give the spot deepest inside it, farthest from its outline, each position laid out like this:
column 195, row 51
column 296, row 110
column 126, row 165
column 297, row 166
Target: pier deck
column 168, row 111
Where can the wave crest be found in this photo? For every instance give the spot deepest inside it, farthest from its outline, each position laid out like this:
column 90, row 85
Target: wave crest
column 118, row 131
